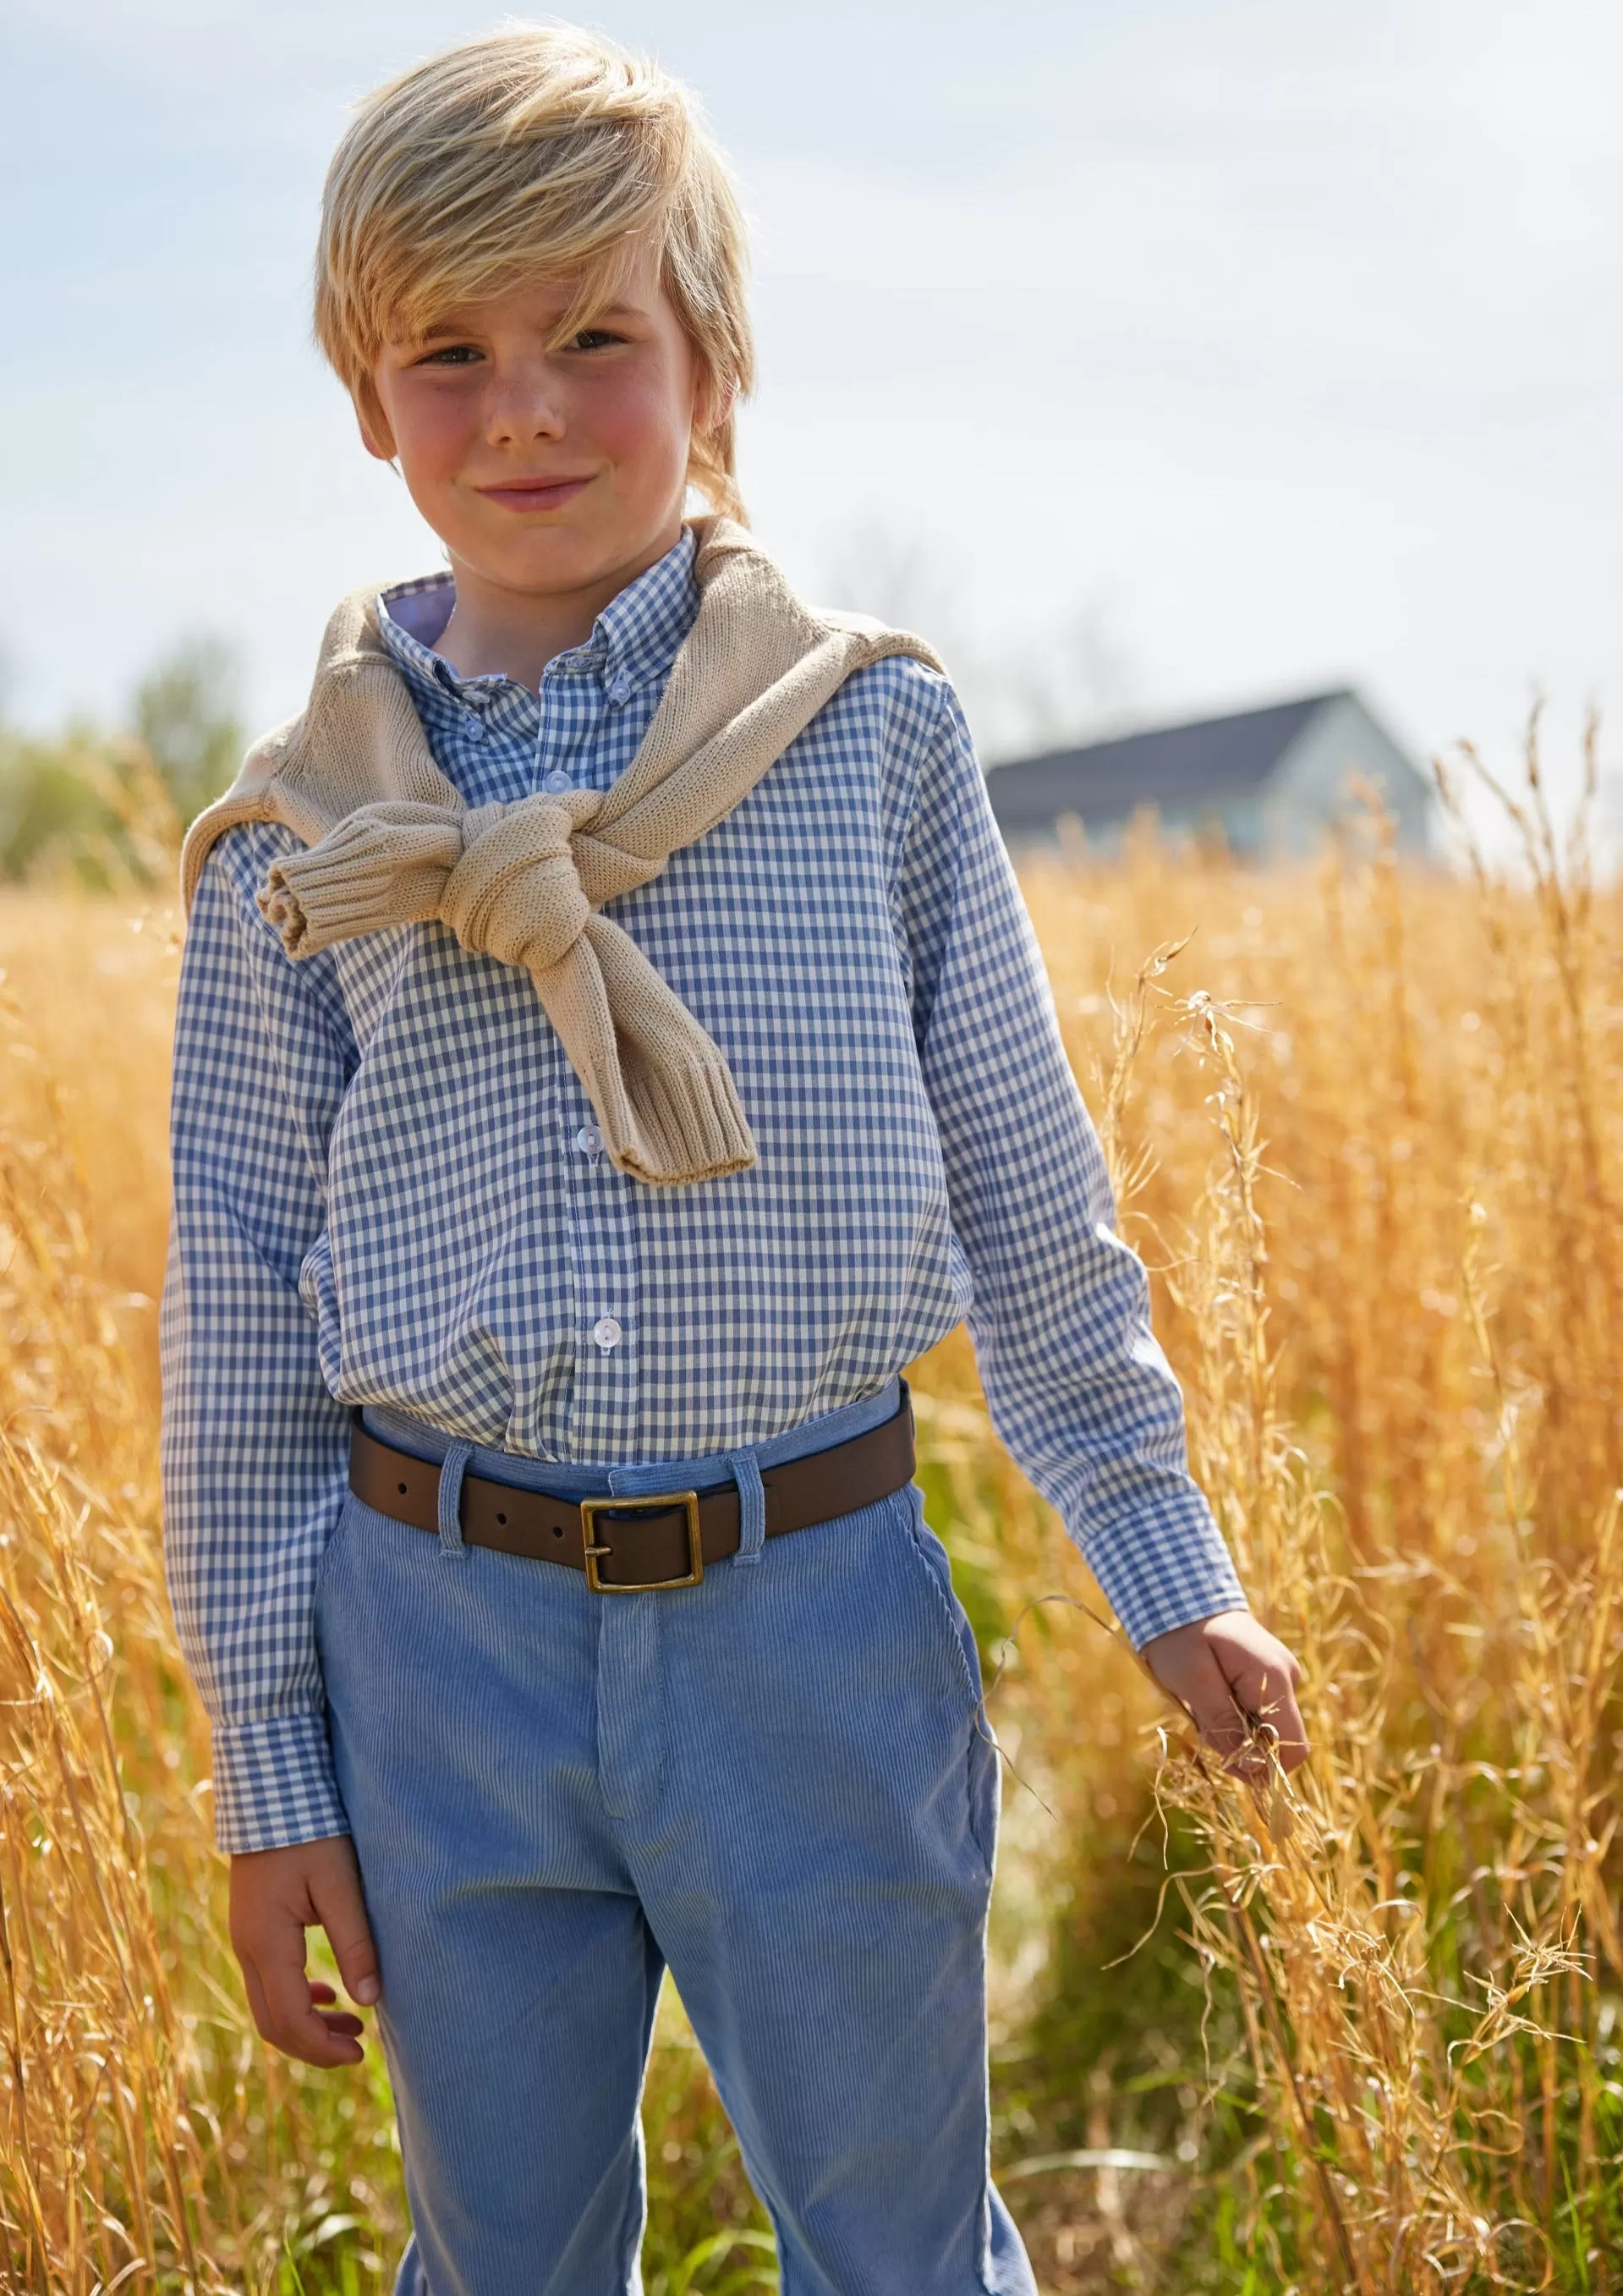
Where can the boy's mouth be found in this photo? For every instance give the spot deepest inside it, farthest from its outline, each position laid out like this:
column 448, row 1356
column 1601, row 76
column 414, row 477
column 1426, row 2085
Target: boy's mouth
column 534, row 494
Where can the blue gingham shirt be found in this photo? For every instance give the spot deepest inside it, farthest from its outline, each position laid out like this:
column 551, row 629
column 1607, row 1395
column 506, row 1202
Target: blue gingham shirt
column 388, row 1189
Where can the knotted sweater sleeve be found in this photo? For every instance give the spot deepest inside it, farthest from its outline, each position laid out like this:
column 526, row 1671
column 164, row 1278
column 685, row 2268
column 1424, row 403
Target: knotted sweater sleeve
column 1076, row 1383
column 255, row 1448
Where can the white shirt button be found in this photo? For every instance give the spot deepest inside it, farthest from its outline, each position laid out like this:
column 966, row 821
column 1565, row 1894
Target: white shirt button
column 556, row 780
column 607, row 1332
column 589, row 1140
column 619, row 688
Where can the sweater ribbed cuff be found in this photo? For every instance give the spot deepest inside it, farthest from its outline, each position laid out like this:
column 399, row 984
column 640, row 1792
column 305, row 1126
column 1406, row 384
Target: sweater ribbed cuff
column 687, row 1123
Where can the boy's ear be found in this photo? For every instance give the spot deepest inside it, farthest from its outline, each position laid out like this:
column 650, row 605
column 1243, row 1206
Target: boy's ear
column 371, row 422
column 713, row 402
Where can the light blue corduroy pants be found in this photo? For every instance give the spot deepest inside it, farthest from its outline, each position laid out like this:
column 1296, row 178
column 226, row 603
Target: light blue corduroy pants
column 775, row 1783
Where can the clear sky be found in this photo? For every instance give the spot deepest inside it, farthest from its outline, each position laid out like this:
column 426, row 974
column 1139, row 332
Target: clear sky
column 1202, row 350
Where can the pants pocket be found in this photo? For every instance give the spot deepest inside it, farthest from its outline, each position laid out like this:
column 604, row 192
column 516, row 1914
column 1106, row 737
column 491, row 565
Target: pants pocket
column 329, row 1553
column 981, row 1754
column 931, row 1558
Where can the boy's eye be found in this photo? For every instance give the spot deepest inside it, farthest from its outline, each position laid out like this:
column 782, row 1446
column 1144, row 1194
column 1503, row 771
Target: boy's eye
column 450, row 355
column 593, row 339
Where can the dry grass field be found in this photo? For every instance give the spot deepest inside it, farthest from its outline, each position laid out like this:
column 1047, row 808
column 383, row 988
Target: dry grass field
column 1355, row 2033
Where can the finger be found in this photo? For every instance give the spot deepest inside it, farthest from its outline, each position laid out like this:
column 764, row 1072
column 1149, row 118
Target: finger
column 341, row 1910
column 1292, row 1730
column 335, row 2019
column 257, row 2007
column 286, row 2015
column 1207, row 1694
column 1267, row 1692
column 324, row 2038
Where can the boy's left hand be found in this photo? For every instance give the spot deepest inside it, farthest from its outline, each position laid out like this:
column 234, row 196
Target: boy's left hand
column 1232, row 1676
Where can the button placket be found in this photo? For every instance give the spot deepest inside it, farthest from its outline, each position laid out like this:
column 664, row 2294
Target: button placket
column 569, row 712
column 499, row 729
column 607, row 1293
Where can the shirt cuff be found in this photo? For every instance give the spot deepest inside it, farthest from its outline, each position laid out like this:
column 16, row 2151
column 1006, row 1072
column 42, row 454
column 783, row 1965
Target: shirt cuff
column 1165, row 1570
column 274, row 1784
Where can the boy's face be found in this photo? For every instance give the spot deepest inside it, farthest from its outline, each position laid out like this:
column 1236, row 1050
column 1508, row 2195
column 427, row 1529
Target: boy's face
column 545, row 471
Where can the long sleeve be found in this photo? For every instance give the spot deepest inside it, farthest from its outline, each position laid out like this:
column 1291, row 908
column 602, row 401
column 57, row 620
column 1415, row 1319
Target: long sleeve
column 254, row 1445
column 1077, row 1384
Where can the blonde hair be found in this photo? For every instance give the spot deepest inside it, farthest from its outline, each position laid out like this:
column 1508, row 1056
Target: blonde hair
column 536, row 151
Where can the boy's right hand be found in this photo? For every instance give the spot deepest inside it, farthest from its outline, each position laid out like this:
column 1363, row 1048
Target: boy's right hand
column 275, row 1896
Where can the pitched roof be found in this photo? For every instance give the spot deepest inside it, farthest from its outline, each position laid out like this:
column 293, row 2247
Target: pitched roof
column 1173, row 766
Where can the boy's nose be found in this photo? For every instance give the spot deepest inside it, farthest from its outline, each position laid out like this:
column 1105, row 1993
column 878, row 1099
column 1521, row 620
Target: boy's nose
column 522, row 409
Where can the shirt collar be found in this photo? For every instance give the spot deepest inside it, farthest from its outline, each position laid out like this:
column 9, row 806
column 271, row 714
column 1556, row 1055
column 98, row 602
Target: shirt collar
column 634, row 639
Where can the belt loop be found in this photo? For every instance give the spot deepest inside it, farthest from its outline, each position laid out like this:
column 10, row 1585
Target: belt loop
column 751, row 1505
column 451, row 1471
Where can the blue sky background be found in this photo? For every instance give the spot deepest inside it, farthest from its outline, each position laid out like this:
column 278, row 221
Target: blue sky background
column 1184, row 353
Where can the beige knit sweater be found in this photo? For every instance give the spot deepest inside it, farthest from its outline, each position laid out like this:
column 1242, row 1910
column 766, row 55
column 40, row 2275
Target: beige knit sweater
column 390, row 842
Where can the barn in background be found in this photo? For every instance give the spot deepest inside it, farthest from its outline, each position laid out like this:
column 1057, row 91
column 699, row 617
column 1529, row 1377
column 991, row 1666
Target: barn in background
column 1273, row 782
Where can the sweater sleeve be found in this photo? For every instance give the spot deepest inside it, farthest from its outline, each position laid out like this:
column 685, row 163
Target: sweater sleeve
column 254, row 1445
column 1077, row 1385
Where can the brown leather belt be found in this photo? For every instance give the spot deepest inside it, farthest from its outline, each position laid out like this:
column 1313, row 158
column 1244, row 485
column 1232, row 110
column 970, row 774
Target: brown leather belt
column 633, row 1545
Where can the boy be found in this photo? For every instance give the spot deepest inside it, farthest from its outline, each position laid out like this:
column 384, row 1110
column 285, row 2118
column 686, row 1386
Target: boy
column 539, row 1506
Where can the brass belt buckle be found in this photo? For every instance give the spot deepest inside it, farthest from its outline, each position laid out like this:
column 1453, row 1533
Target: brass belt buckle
column 655, row 1503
